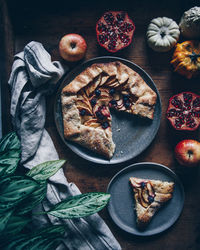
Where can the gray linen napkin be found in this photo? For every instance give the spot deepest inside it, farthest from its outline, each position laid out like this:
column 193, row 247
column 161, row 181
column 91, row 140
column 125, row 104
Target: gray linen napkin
column 33, row 76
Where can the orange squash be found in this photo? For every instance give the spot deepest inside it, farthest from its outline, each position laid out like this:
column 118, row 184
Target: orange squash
column 186, row 58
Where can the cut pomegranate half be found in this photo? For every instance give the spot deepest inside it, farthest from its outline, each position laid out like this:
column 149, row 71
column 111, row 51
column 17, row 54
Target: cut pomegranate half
column 115, row 30
column 184, row 111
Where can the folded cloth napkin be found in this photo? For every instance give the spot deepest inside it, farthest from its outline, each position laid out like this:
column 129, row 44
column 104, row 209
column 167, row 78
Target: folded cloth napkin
column 33, row 76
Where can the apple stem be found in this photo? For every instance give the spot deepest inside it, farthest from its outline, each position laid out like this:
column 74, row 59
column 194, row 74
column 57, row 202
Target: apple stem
column 73, row 45
column 190, row 153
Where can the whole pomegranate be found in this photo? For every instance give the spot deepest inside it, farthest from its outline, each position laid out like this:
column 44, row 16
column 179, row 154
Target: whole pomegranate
column 184, row 111
column 187, row 153
column 114, row 30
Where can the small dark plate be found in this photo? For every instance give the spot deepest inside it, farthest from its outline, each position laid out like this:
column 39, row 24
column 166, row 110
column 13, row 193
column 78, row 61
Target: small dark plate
column 131, row 134
column 121, row 204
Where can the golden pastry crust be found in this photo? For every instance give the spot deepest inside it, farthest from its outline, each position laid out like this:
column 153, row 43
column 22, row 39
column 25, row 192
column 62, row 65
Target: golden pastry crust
column 82, row 80
column 98, row 139
column 77, row 95
column 149, row 196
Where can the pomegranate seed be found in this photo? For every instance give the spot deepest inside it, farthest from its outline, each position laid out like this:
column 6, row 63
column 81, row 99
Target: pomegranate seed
column 129, row 27
column 192, row 125
column 177, row 103
column 103, row 38
column 172, row 113
column 126, row 27
column 187, row 97
column 120, row 17
column 113, row 36
column 112, row 45
column 117, row 24
column 196, row 113
column 196, row 102
column 124, row 38
column 109, row 18
column 102, row 27
column 178, row 122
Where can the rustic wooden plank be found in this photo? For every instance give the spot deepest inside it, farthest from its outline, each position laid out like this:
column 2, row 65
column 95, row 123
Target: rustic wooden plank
column 6, row 58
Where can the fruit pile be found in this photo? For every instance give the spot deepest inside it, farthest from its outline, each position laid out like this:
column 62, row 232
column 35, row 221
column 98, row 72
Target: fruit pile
column 183, row 110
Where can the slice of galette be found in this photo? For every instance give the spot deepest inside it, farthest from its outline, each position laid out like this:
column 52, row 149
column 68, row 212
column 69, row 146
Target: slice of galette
column 149, row 196
column 87, row 100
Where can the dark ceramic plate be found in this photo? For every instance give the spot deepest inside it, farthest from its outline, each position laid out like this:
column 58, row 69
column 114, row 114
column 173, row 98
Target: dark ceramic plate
column 131, row 134
column 121, row 204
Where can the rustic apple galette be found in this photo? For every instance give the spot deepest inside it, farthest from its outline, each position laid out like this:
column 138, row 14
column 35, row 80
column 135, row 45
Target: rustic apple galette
column 87, row 100
column 149, row 196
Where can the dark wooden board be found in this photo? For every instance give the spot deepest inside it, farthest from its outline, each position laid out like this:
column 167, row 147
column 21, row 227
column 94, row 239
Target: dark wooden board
column 47, row 22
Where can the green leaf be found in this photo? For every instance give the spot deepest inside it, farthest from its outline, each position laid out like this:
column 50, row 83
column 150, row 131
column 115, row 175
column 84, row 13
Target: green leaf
column 14, row 226
column 47, row 244
column 38, row 243
column 9, row 154
column 14, row 189
column 45, row 170
column 32, row 200
column 80, row 205
column 41, row 238
column 9, row 141
column 34, row 243
column 4, row 218
column 55, row 229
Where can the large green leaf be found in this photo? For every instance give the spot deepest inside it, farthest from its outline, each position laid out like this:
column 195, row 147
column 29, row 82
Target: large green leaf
column 51, row 230
column 9, row 154
column 42, row 239
column 9, row 141
column 80, row 205
column 32, row 200
column 34, row 243
column 14, row 226
column 45, row 170
column 47, row 244
column 14, row 189
column 4, row 218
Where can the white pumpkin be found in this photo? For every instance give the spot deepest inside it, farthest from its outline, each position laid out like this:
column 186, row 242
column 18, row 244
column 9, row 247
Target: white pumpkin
column 162, row 34
column 190, row 23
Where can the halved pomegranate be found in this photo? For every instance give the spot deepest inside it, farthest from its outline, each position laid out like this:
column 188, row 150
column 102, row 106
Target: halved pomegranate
column 184, row 111
column 114, row 30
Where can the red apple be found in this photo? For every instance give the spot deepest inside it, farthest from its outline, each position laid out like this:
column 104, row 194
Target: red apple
column 187, row 152
column 72, row 47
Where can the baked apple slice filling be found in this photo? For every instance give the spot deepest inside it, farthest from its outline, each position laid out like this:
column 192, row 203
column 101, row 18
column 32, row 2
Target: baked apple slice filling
column 149, row 196
column 93, row 101
column 93, row 109
column 145, row 192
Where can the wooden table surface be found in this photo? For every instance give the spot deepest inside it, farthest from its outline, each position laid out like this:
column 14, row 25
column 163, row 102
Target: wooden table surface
column 46, row 23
